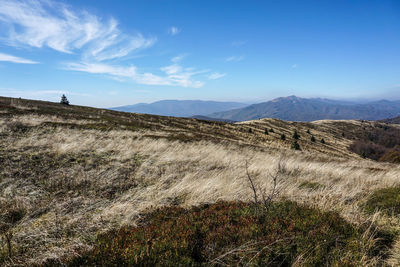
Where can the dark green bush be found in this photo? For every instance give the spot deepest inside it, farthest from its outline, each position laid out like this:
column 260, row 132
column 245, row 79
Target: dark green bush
column 296, row 135
column 283, row 137
column 312, row 138
column 295, row 145
column 173, row 236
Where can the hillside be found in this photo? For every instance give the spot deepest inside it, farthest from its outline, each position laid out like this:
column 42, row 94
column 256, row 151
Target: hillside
column 302, row 109
column 395, row 120
column 73, row 178
column 180, row 108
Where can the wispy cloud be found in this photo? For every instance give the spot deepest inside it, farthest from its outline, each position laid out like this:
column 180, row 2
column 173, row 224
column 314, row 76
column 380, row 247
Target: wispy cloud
column 178, row 58
column 294, row 66
column 216, row 75
column 173, row 30
column 174, row 75
column 234, row 59
column 33, row 93
column 99, row 43
column 59, row 27
column 14, row 59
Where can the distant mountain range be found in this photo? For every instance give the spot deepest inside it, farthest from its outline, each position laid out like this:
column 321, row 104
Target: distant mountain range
column 294, row 108
column 181, row 108
column 291, row 108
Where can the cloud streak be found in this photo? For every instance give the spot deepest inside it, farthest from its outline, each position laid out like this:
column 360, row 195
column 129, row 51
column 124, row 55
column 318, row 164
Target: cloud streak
column 234, row 59
column 54, row 25
column 14, row 59
column 33, row 93
column 216, row 75
column 99, row 44
column 174, row 75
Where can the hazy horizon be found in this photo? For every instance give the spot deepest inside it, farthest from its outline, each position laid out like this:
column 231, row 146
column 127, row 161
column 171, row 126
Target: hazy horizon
column 108, row 54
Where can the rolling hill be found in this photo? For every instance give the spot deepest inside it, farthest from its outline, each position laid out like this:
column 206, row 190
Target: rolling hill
column 302, row 109
column 95, row 187
column 395, row 120
column 180, row 108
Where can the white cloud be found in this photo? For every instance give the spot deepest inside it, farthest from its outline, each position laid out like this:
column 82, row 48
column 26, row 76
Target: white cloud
column 178, row 58
column 99, row 43
column 173, row 30
column 50, row 24
column 294, row 66
column 14, row 59
column 101, row 68
column 35, row 93
column 175, row 75
column 234, row 59
column 216, row 75
column 172, row 69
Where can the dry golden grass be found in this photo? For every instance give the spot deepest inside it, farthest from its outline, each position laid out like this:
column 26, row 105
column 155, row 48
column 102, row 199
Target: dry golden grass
column 82, row 181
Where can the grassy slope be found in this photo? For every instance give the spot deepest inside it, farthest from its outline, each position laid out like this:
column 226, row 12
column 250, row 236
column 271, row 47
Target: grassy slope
column 78, row 171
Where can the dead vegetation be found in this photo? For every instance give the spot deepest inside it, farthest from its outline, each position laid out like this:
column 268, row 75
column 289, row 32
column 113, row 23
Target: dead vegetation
column 78, row 172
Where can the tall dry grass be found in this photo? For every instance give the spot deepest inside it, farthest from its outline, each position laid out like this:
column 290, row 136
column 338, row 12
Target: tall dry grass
column 138, row 172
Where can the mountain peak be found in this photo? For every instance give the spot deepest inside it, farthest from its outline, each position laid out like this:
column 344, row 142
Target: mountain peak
column 290, row 98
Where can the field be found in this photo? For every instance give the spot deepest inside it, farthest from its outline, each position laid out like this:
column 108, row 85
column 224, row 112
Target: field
column 72, row 177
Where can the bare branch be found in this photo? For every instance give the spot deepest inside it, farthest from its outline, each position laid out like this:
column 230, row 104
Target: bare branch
column 253, row 187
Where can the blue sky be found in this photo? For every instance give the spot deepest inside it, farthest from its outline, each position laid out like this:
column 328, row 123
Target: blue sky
column 110, row 53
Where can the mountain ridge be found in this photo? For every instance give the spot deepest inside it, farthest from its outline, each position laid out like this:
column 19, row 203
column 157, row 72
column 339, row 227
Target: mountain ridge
column 180, row 108
column 293, row 108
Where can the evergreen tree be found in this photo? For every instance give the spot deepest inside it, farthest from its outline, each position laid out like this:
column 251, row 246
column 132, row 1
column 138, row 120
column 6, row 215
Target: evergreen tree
column 250, row 130
column 271, row 130
column 64, row 100
column 312, row 138
column 296, row 136
column 266, row 132
column 322, row 141
column 283, row 137
column 295, row 145
column 308, row 131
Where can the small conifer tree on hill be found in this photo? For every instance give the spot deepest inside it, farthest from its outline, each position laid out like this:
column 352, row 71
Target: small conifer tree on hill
column 64, row 100
column 295, row 145
column 296, row 135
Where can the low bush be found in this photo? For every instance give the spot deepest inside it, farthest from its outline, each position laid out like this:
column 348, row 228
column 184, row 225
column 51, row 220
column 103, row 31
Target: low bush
column 231, row 233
